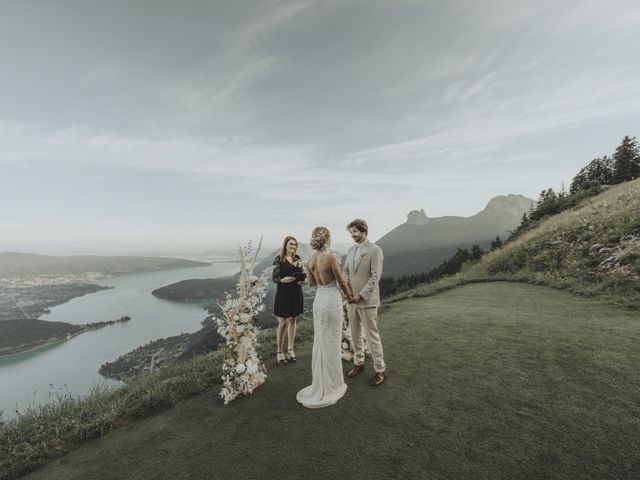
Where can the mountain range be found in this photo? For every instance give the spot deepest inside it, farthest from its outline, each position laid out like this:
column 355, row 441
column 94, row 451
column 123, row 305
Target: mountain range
column 422, row 243
column 14, row 264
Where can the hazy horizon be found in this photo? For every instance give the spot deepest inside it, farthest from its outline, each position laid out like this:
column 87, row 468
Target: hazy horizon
column 342, row 240
column 200, row 125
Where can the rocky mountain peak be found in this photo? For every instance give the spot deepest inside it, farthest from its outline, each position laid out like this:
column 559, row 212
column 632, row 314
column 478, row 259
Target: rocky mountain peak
column 510, row 204
column 417, row 217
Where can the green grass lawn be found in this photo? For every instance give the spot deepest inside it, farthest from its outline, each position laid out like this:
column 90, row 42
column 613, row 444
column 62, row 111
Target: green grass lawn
column 489, row 380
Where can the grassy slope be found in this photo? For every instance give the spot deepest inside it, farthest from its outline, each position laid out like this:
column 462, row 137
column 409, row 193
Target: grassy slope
column 567, row 250
column 492, row 380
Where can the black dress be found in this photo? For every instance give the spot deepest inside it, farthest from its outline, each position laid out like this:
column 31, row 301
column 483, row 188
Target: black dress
column 288, row 302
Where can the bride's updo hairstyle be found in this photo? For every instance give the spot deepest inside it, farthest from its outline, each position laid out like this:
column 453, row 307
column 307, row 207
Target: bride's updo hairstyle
column 320, row 237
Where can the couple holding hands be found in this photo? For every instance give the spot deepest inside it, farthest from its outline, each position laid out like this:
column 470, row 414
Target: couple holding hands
column 357, row 284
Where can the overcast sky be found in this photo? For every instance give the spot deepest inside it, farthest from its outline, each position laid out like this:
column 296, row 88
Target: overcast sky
column 201, row 123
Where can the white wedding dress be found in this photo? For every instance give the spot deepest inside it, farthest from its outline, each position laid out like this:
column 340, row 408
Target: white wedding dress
column 327, row 386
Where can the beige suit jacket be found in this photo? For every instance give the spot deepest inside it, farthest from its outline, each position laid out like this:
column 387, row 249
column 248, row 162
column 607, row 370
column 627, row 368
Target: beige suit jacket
column 363, row 273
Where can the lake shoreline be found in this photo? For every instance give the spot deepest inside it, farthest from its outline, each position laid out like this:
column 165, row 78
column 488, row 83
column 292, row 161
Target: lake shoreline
column 31, row 294
column 32, row 362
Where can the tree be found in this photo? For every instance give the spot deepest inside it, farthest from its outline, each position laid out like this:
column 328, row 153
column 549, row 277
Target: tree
column 549, row 203
column 598, row 172
column 563, row 190
column 626, row 160
column 497, row 243
column 579, row 182
column 589, row 181
column 476, row 252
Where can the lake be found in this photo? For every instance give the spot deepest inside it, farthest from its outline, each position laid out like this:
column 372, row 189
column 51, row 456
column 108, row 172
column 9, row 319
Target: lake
column 71, row 366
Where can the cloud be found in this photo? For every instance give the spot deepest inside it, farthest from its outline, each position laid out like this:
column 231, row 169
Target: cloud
column 598, row 96
column 191, row 155
column 328, row 108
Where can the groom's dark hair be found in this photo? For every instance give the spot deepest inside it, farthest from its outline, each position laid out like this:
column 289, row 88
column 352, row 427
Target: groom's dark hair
column 360, row 224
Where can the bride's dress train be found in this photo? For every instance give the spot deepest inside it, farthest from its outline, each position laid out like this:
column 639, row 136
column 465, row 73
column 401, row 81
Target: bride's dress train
column 328, row 384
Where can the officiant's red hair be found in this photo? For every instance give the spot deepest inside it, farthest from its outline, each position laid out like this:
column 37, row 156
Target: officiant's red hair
column 283, row 249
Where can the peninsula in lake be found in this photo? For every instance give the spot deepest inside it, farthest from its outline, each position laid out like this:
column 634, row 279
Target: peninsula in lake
column 17, row 336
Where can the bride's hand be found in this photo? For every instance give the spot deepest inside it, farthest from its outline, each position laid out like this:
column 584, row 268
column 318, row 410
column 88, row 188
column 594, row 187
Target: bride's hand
column 287, row 279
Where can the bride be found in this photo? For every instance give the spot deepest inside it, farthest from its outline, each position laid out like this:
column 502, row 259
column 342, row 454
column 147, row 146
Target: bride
column 323, row 270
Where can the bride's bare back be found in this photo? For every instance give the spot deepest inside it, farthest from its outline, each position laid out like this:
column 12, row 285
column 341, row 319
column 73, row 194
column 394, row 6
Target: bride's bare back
column 323, row 267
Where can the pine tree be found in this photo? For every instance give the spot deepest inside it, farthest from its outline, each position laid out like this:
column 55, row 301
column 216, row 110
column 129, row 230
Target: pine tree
column 497, row 243
column 548, row 204
column 579, row 181
column 476, row 252
column 598, row 172
column 626, row 160
column 601, row 171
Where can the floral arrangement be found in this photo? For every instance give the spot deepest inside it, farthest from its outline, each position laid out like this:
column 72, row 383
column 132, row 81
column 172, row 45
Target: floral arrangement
column 242, row 370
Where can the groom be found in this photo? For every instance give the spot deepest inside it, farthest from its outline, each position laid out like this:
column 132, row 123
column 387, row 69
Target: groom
column 362, row 269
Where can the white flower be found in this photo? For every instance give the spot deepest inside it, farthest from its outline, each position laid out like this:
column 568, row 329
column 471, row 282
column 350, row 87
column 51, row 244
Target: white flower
column 240, row 368
column 251, row 369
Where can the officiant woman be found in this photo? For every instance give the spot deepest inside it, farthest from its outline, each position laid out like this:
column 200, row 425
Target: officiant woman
column 288, row 274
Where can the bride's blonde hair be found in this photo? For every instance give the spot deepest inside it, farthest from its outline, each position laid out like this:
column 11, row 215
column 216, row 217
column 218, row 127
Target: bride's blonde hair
column 320, row 237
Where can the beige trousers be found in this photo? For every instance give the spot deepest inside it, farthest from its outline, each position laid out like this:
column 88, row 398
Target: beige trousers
column 364, row 320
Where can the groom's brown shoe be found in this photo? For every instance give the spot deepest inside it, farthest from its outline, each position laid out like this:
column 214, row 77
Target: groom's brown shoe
column 355, row 370
column 378, row 379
